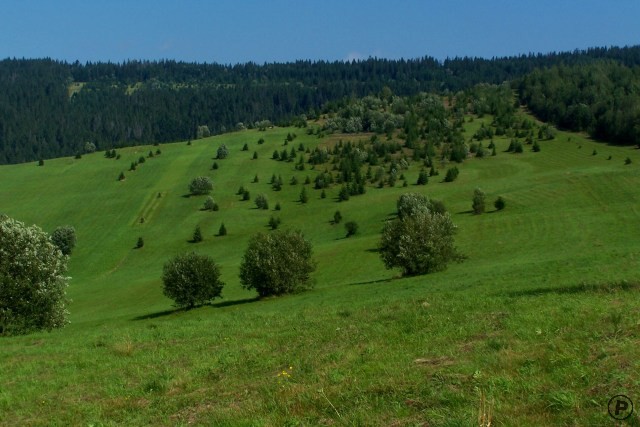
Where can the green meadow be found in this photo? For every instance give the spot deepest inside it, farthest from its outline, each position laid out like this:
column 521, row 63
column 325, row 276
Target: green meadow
column 539, row 325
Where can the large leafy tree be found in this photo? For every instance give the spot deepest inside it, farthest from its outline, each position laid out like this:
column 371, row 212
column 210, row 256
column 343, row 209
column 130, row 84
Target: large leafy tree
column 277, row 263
column 419, row 241
column 32, row 279
column 200, row 185
column 191, row 279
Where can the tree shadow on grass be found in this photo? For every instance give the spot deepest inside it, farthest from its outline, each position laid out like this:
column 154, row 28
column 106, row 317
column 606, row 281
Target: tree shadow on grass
column 220, row 304
column 371, row 282
column 577, row 289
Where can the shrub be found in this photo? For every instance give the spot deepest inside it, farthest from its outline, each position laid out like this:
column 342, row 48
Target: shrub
column 323, row 194
column 191, row 279
column 261, row 201
column 277, row 263
column 418, row 244
column 536, row 147
column 410, row 204
column 246, row 195
column 274, row 222
column 121, row 177
column 209, row 203
column 140, row 243
column 337, row 217
column 201, row 185
column 627, row 161
column 304, row 197
column 197, row 235
column 452, row 174
column 478, row 201
column 423, row 178
column 255, row 155
column 500, row 203
column 64, row 237
column 245, row 147
column 40, row 162
column 215, row 166
column 223, row 152
column 278, row 207
column 222, row 231
column 32, row 280
column 351, row 227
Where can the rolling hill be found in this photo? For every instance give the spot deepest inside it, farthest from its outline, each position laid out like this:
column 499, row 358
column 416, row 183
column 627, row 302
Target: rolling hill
column 538, row 326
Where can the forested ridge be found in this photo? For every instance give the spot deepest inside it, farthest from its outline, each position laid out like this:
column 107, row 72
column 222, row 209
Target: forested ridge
column 50, row 108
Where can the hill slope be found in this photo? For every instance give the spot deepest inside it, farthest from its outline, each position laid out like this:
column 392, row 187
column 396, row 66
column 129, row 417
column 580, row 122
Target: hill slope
column 544, row 308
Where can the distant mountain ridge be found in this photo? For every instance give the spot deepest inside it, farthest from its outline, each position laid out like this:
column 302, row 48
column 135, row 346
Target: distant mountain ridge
column 51, row 108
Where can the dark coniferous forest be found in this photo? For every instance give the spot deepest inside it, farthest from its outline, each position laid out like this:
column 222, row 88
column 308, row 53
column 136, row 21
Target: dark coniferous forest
column 50, row 108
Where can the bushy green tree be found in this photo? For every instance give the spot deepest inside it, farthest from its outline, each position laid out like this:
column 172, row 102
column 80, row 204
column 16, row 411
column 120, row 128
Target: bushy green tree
column 32, row 279
column 197, row 235
column 64, row 237
column 411, row 203
column 452, row 174
column 351, row 227
column 419, row 244
column 478, row 201
column 201, row 185
column 262, row 202
column 223, row 152
column 191, row 279
column 277, row 263
column 209, row 203
column 423, row 178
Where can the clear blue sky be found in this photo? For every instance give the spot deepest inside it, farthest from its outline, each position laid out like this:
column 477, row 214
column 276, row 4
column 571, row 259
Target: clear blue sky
column 232, row 31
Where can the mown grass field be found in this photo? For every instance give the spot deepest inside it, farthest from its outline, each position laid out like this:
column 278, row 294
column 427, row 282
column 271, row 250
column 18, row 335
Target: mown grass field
column 540, row 325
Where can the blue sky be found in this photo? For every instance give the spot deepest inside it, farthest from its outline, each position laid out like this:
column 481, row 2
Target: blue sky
column 232, row 31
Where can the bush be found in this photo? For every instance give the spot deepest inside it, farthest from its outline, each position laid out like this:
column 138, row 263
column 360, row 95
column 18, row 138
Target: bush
column 410, row 204
column 337, row 217
column 452, row 174
column 262, row 202
column 277, row 263
column 304, row 197
column 209, row 203
column 191, row 279
column 223, row 152
column 32, row 280
column 351, row 227
column 64, row 238
column 478, row 201
column 274, row 223
column 500, row 203
column 140, row 243
column 201, row 185
column 418, row 244
column 197, row 235
column 121, row 177
column 423, row 178
column 627, row 161
column 222, row 231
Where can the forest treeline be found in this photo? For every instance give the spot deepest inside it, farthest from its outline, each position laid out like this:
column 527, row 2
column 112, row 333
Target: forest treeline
column 602, row 98
column 50, row 108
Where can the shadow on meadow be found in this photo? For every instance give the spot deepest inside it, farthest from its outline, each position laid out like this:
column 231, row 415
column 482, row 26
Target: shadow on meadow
column 220, row 304
column 581, row 288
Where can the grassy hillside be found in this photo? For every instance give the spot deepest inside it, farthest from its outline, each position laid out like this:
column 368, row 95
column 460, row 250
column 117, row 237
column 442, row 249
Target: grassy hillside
column 540, row 325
